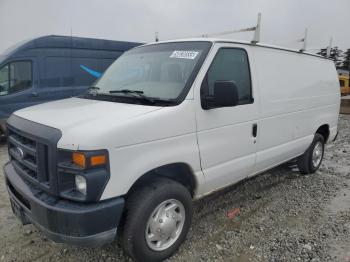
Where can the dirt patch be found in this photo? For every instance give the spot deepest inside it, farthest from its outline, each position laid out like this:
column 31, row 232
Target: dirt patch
column 284, row 216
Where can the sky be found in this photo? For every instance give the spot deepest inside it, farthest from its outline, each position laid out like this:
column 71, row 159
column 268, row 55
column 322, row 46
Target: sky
column 283, row 21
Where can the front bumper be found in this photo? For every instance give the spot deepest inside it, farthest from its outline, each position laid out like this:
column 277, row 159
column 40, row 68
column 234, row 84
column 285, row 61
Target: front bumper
column 84, row 224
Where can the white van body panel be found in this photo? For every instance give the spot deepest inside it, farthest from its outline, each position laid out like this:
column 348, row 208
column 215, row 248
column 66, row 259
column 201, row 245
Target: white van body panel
column 176, row 142
column 298, row 94
column 294, row 94
column 227, row 148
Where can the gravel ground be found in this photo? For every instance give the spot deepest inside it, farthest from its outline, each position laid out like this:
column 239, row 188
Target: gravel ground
column 283, row 216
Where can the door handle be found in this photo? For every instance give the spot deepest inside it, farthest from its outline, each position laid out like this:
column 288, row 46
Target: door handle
column 255, row 130
column 34, row 94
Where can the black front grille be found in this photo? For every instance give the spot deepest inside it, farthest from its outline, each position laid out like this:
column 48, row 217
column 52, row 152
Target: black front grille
column 33, row 152
column 29, row 157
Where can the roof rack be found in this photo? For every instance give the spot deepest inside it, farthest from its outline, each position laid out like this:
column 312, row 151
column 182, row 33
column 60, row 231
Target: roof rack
column 256, row 29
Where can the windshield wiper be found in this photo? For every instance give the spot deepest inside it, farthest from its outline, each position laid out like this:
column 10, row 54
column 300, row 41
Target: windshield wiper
column 138, row 93
column 92, row 90
column 126, row 91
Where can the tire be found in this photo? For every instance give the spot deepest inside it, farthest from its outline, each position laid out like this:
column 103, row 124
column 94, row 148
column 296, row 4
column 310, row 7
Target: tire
column 141, row 205
column 307, row 163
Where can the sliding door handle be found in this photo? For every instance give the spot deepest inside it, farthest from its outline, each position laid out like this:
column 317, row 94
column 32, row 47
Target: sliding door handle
column 255, row 130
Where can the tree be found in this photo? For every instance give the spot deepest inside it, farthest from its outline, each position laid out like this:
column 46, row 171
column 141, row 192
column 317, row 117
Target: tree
column 336, row 55
column 346, row 60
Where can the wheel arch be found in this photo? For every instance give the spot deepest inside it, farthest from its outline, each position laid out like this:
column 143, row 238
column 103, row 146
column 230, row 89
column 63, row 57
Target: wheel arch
column 324, row 131
column 179, row 172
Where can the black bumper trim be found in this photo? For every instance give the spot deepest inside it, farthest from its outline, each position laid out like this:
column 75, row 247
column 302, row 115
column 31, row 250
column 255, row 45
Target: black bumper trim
column 61, row 220
column 88, row 241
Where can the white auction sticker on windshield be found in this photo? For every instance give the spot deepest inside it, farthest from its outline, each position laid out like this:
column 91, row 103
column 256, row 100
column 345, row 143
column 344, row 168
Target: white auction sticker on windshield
column 184, row 54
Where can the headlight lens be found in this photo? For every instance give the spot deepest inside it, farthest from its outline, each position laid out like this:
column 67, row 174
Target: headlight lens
column 80, row 184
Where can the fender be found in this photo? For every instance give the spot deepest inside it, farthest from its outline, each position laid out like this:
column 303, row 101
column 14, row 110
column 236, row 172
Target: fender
column 130, row 163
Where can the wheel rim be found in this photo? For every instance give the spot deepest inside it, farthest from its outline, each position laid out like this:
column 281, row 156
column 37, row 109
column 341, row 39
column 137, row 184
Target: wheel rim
column 165, row 225
column 317, row 154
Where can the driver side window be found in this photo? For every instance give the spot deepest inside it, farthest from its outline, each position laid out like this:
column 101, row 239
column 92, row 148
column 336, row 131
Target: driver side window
column 230, row 64
column 15, row 77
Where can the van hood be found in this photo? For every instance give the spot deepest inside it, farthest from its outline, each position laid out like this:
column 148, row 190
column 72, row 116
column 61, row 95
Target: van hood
column 91, row 125
column 72, row 112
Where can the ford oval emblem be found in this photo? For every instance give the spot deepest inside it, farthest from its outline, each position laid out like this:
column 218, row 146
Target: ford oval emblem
column 20, row 152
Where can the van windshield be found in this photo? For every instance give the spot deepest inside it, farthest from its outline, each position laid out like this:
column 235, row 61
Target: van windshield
column 161, row 72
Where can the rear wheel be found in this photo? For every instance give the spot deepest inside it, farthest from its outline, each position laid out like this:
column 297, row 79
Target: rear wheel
column 157, row 221
column 311, row 160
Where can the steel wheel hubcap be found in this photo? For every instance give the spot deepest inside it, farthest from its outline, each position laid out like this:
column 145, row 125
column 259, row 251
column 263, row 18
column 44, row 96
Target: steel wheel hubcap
column 317, row 154
column 165, row 225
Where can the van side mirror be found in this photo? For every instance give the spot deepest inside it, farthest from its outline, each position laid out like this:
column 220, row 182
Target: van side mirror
column 225, row 95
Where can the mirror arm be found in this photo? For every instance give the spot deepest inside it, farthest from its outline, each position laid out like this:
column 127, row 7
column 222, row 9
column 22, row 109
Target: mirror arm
column 207, row 102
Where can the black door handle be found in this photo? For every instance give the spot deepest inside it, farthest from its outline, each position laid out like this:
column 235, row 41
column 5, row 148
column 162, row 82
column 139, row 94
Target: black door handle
column 255, row 130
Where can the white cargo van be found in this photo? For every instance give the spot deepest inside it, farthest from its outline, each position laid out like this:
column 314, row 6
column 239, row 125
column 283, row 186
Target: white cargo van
column 167, row 123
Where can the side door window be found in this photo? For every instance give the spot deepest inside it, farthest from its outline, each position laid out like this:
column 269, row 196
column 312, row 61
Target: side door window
column 230, row 64
column 57, row 72
column 15, row 77
column 85, row 71
column 4, row 80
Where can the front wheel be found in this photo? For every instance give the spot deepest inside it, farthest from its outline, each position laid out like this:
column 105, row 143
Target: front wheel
column 311, row 160
column 157, row 221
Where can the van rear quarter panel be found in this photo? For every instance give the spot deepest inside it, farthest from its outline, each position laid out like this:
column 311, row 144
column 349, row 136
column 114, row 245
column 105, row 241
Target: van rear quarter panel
column 298, row 93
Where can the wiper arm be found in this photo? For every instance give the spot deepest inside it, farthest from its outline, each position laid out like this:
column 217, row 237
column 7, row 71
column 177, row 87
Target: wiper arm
column 93, row 90
column 138, row 93
column 133, row 93
column 126, row 91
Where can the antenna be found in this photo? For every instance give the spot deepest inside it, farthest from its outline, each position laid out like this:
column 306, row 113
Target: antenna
column 304, row 41
column 329, row 47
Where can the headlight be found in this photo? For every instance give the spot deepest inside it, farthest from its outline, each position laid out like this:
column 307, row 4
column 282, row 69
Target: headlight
column 80, row 184
column 82, row 175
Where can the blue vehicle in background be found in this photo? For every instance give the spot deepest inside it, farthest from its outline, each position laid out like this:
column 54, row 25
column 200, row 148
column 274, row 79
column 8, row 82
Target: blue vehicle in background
column 52, row 67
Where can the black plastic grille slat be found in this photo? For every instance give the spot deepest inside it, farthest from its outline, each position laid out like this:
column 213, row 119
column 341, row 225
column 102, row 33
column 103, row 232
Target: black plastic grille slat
column 42, row 154
column 26, row 162
column 33, row 164
column 22, row 170
column 29, row 148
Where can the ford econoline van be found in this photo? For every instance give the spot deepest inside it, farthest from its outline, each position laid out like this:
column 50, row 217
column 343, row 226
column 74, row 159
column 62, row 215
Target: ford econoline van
column 51, row 68
column 166, row 124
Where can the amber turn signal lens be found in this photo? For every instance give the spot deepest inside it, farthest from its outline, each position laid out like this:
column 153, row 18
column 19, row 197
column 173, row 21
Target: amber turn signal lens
column 79, row 159
column 98, row 160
